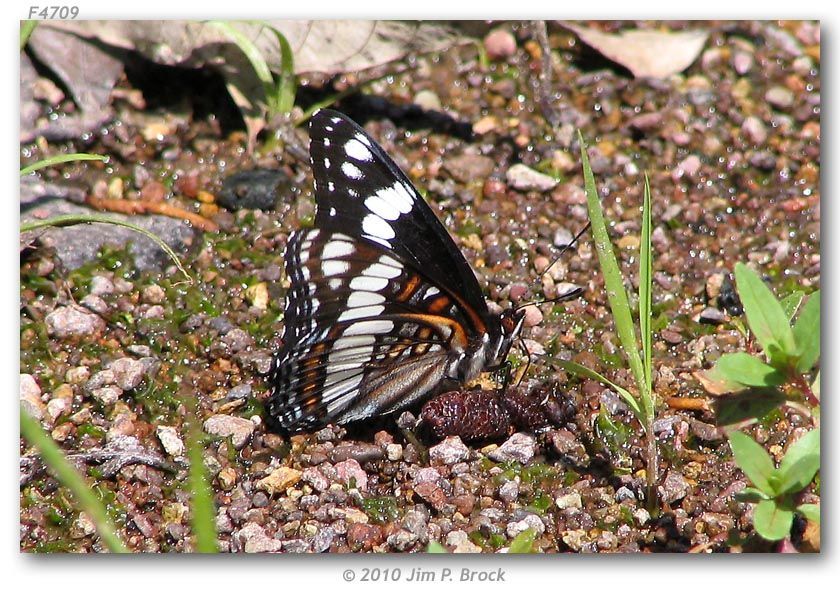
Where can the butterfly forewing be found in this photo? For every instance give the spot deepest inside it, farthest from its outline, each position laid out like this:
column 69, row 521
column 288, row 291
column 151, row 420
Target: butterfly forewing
column 360, row 191
column 382, row 306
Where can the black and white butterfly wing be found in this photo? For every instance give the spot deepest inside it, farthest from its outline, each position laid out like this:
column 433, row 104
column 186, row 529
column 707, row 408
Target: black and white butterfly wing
column 382, row 305
column 361, row 192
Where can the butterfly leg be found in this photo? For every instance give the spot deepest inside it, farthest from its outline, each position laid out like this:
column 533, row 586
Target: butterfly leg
column 523, row 370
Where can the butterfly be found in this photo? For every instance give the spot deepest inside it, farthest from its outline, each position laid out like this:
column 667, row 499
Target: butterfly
column 383, row 308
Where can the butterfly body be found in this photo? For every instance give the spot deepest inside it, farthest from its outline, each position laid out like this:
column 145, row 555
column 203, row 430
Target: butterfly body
column 383, row 309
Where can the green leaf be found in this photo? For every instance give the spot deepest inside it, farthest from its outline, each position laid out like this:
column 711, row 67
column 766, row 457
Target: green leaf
column 772, row 521
column 766, row 317
column 747, row 406
column 791, row 302
column 745, row 369
column 751, row 494
column 613, row 282
column 436, row 548
column 523, row 543
column 800, row 463
column 815, row 385
column 580, row 370
column 754, row 461
column 72, row 480
column 806, row 332
column 810, row 512
column 61, row 158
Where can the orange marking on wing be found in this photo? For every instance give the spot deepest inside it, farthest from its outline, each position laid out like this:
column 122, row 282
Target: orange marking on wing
column 445, row 326
column 409, row 288
column 438, row 306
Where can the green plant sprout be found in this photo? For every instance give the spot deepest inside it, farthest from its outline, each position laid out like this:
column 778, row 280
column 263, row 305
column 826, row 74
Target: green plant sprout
column 638, row 356
column 774, row 489
column 279, row 91
column 750, row 387
column 791, row 352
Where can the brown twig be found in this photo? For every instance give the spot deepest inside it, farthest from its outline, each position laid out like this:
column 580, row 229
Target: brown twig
column 140, row 207
column 685, row 403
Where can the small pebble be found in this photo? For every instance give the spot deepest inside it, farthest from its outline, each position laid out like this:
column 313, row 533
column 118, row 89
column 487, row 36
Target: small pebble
column 450, row 451
column 170, row 439
column 279, row 480
column 780, row 97
column 499, row 44
column 128, row 372
column 153, row 294
column 237, row 428
column 520, row 447
column 524, row 178
column 533, row 316
column 711, row 316
column 572, row 500
column 30, row 396
column 100, row 285
column 754, row 130
column 350, row 473
column 394, row 452
column 427, row 100
column 532, row 522
column 73, row 322
column 674, row 488
column 461, row 544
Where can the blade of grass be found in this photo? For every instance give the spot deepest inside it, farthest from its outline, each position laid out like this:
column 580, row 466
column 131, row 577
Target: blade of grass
column 72, row 480
column 645, row 289
column 616, row 294
column 67, row 220
column 286, row 84
column 26, row 29
column 579, row 369
column 251, row 52
column 202, row 508
column 61, row 158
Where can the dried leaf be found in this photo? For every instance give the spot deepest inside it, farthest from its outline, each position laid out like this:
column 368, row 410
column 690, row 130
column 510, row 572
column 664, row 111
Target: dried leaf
column 656, row 54
column 328, row 46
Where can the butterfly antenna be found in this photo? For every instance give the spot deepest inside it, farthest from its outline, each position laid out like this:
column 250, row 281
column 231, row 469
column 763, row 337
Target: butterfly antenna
column 571, row 294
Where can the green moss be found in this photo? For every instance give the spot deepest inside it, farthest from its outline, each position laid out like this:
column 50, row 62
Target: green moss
column 89, row 429
column 381, row 509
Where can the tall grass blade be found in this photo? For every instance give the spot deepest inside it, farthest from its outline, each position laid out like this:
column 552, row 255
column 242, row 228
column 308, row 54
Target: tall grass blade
column 646, row 287
column 61, row 158
column 202, row 509
column 250, row 50
column 616, row 294
column 286, row 84
column 67, row 220
column 72, row 480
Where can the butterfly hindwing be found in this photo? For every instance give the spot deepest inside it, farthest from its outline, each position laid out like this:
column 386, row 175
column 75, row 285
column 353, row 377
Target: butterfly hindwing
column 359, row 325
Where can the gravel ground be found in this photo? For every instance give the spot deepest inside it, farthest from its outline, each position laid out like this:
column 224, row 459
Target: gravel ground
column 109, row 351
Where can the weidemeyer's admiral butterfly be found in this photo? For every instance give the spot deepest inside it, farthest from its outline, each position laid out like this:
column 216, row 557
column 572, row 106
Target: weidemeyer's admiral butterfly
column 383, row 309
